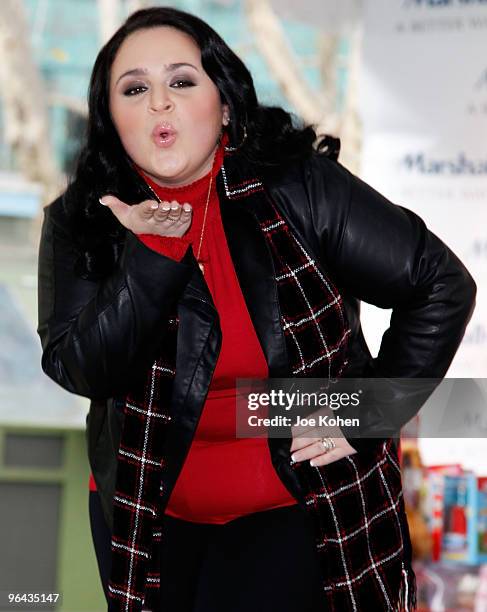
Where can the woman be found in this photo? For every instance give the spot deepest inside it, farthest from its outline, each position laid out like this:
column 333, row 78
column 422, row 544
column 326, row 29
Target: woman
column 204, row 238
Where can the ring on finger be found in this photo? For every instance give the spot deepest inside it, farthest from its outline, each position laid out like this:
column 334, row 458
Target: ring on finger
column 328, row 444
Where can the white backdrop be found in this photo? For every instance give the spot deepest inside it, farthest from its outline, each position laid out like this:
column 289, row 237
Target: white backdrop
column 423, row 103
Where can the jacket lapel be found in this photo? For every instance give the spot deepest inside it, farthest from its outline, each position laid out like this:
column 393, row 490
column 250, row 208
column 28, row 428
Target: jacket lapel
column 197, row 318
column 255, row 272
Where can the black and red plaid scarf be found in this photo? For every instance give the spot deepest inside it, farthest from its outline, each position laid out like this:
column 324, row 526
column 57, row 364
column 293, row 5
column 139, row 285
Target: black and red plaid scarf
column 355, row 503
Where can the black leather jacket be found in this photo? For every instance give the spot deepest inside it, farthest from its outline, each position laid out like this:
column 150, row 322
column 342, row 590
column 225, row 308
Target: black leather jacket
column 98, row 336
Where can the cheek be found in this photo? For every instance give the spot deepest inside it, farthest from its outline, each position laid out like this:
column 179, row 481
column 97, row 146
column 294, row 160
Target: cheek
column 207, row 113
column 206, row 126
column 128, row 125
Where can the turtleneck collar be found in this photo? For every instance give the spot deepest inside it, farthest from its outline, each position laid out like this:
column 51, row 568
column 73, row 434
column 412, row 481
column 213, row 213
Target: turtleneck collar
column 196, row 192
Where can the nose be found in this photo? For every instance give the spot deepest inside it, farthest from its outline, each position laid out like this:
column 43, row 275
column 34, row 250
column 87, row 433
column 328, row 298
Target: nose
column 160, row 100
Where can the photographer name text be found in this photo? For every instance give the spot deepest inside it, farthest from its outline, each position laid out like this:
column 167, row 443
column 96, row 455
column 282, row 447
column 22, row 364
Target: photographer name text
column 300, row 421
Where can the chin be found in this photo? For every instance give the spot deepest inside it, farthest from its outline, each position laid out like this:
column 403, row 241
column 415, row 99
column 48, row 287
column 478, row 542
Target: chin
column 170, row 167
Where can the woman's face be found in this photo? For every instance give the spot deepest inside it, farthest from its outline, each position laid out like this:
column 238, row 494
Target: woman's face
column 166, row 110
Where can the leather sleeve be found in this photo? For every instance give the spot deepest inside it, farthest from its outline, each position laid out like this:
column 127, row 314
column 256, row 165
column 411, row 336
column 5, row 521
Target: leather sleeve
column 384, row 254
column 98, row 336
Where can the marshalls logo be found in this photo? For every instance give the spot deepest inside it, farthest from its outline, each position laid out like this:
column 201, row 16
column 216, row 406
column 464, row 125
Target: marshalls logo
column 442, row 3
column 462, row 164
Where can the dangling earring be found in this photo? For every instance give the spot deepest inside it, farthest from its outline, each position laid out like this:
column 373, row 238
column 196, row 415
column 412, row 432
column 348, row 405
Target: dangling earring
column 230, row 149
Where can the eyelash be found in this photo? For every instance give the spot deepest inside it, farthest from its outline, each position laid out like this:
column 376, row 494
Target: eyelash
column 187, row 82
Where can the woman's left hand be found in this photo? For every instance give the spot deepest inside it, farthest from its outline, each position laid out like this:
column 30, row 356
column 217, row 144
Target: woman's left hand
column 303, row 449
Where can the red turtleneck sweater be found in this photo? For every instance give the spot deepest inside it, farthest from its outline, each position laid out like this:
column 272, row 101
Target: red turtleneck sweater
column 223, row 477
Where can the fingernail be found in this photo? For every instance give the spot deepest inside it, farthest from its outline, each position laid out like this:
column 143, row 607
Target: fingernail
column 312, row 463
column 101, row 202
column 166, row 207
column 293, row 458
column 154, row 205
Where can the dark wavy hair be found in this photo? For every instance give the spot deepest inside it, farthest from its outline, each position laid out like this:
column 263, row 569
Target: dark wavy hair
column 103, row 166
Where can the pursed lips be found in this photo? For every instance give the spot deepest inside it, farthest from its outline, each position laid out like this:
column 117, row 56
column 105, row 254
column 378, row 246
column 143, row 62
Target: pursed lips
column 163, row 134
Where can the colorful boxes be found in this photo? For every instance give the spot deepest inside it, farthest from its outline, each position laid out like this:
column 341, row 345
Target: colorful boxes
column 464, row 530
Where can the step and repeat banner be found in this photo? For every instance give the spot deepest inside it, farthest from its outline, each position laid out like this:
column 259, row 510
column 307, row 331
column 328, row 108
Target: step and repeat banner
column 423, row 105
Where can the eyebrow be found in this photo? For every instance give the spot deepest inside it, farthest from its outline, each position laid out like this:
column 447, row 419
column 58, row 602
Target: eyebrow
column 142, row 71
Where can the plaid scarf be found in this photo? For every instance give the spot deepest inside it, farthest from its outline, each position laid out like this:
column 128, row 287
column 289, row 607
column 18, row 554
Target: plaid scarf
column 355, row 503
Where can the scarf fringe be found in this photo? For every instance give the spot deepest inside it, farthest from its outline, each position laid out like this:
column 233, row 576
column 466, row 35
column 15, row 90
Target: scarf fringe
column 407, row 594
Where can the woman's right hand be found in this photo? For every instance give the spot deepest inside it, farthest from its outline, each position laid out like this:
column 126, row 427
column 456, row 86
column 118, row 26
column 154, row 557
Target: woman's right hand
column 151, row 217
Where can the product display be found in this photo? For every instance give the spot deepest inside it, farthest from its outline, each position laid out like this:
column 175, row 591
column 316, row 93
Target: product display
column 447, row 515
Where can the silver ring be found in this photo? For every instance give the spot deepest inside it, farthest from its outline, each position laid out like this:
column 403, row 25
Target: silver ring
column 328, row 444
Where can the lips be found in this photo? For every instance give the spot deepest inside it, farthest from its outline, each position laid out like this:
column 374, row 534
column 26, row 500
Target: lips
column 163, row 134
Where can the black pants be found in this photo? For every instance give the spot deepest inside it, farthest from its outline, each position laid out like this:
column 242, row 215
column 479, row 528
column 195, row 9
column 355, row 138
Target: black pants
column 264, row 562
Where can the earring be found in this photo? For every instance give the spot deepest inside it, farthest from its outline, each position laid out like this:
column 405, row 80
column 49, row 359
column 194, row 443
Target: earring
column 230, row 149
